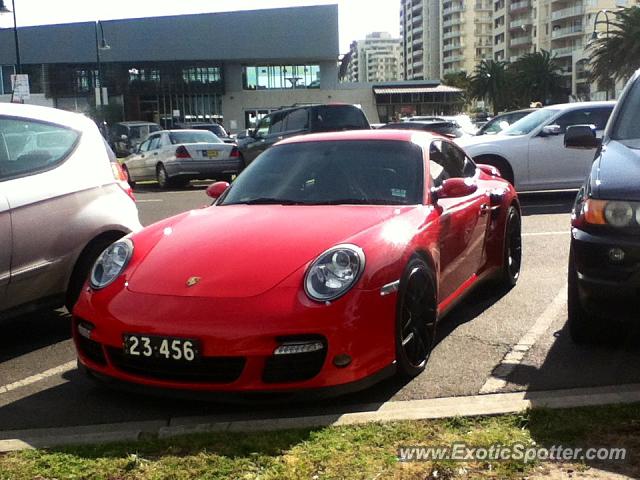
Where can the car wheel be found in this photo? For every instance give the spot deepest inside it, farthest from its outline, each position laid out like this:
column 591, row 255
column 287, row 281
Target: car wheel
column 415, row 318
column 502, row 165
column 86, row 260
column 162, row 177
column 584, row 328
column 512, row 249
column 128, row 175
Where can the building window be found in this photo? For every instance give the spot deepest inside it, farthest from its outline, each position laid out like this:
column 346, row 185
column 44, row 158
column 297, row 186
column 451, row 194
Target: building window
column 280, row 76
column 5, row 78
column 202, row 75
column 144, row 75
column 83, row 80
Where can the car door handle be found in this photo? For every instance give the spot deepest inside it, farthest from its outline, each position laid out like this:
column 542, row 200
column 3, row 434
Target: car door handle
column 155, row 153
column 484, row 208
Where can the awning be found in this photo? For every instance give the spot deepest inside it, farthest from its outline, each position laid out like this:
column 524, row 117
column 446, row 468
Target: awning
column 438, row 89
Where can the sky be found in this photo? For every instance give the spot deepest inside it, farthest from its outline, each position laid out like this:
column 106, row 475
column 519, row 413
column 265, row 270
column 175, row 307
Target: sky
column 356, row 17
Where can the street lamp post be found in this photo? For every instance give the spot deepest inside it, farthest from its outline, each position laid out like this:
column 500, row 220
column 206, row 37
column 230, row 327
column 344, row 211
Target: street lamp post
column 101, row 44
column 4, row 9
column 594, row 35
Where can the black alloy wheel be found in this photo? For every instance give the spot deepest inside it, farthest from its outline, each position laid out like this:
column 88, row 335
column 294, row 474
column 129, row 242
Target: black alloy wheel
column 512, row 256
column 416, row 318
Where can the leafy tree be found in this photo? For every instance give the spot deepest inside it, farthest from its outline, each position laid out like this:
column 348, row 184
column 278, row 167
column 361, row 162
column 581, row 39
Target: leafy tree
column 616, row 56
column 536, row 78
column 490, row 82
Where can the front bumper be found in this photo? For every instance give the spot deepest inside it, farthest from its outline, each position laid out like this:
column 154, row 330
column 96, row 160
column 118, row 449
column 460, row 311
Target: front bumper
column 238, row 338
column 203, row 169
column 607, row 288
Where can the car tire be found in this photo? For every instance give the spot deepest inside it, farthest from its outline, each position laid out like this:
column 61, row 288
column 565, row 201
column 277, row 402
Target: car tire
column 82, row 267
column 502, row 165
column 416, row 316
column 584, row 328
column 512, row 249
column 128, row 175
column 162, row 177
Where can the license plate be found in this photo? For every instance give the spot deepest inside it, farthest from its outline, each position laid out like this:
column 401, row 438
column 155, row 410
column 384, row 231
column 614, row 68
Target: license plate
column 165, row 348
column 212, row 153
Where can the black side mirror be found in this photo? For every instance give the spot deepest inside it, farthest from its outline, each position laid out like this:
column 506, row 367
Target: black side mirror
column 581, row 136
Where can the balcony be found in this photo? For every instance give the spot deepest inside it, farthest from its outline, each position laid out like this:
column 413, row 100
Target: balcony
column 567, row 13
column 416, row 20
column 564, row 51
column 455, row 8
column 519, row 23
column 453, row 58
column 451, row 22
column 520, row 5
column 520, row 41
column 417, row 30
column 483, row 7
column 452, row 46
column 454, row 34
column 567, row 31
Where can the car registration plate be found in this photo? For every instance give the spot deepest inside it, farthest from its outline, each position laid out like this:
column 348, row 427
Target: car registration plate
column 212, row 153
column 166, row 348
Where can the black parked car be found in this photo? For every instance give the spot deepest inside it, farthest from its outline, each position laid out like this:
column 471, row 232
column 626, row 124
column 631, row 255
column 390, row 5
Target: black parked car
column 299, row 121
column 443, row 127
column 604, row 262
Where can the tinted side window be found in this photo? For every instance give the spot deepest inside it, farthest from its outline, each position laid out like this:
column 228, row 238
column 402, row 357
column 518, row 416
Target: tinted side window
column 27, row 146
column 587, row 116
column 155, row 143
column 263, row 126
column 298, row 120
column 277, row 122
column 448, row 161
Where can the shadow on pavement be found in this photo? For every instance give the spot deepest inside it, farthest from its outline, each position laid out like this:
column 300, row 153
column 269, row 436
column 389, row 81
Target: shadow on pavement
column 546, row 203
column 27, row 333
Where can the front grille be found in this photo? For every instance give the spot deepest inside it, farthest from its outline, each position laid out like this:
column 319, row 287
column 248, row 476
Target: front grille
column 207, row 369
column 91, row 350
column 294, row 367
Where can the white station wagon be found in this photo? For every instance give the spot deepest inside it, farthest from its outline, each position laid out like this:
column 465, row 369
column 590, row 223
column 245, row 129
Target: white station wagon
column 530, row 153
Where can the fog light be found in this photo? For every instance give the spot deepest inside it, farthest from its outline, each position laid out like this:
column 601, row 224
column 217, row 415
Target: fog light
column 342, row 360
column 85, row 329
column 616, row 255
column 299, row 347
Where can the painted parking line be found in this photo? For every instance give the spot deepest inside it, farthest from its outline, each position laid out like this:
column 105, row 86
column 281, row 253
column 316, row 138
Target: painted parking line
column 541, row 234
column 149, row 200
column 498, row 379
column 52, row 372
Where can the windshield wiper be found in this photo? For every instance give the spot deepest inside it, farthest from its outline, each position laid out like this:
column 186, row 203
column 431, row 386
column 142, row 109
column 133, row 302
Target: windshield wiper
column 267, row 201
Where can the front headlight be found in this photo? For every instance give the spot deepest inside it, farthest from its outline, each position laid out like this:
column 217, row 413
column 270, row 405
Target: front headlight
column 111, row 263
column 334, row 272
column 615, row 213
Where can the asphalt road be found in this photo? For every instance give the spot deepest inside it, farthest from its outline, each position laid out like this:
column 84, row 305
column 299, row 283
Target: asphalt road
column 40, row 388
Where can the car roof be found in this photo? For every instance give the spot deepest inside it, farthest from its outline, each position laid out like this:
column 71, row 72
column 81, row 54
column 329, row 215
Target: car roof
column 136, row 123
column 313, row 106
column 374, row 134
column 575, row 105
column 46, row 114
column 182, row 130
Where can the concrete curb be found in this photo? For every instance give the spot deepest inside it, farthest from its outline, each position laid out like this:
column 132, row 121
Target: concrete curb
column 475, row 405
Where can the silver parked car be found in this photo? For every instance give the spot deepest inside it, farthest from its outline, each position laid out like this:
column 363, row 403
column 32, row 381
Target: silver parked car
column 63, row 200
column 175, row 157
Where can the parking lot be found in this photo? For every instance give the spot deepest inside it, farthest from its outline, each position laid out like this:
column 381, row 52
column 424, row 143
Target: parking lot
column 490, row 343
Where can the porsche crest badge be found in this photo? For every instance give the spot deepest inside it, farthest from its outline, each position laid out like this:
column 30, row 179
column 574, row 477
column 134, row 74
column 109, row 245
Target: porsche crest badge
column 193, row 281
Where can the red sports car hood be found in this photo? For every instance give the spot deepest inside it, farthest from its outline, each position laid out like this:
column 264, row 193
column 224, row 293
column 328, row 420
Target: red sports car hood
column 241, row 250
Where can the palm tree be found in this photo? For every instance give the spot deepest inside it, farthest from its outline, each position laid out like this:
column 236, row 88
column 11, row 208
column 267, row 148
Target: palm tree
column 537, row 78
column 617, row 54
column 459, row 80
column 490, row 82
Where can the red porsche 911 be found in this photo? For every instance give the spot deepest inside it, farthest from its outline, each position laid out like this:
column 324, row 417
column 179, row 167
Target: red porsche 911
column 324, row 267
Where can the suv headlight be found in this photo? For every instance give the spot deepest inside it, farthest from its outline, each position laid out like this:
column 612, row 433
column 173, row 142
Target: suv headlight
column 334, row 272
column 111, row 263
column 615, row 213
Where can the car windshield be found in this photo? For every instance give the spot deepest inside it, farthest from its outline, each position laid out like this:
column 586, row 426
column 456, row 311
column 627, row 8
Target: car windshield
column 141, row 132
column 530, row 122
column 626, row 128
column 201, row 136
column 380, row 172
